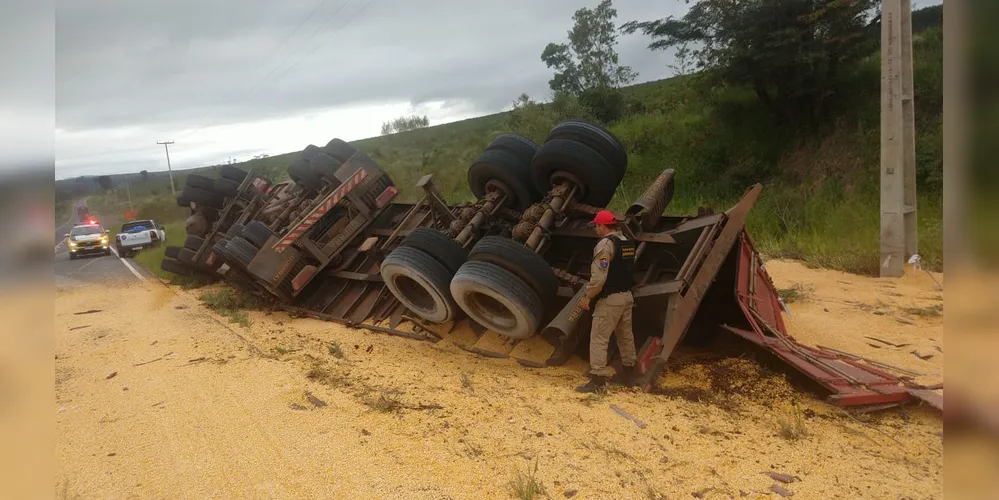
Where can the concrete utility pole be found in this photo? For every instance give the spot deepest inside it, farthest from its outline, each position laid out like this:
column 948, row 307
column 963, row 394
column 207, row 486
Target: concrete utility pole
column 128, row 192
column 166, row 147
column 898, row 139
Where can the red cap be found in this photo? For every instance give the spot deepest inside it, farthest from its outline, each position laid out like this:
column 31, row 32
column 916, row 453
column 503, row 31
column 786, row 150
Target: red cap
column 603, row 218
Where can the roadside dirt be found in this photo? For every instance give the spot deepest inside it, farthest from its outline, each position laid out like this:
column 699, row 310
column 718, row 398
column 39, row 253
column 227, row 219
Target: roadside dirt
column 156, row 397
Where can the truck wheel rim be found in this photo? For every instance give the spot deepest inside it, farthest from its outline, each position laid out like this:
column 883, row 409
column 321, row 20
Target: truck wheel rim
column 491, row 311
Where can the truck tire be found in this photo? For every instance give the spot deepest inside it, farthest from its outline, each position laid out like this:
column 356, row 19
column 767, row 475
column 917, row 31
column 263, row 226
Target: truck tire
column 171, row 251
column 235, row 230
column 497, row 299
column 521, row 147
column 243, row 251
column 508, row 169
column 300, row 172
column 340, row 150
column 519, row 260
column 194, row 242
column 438, row 245
column 204, row 197
column 186, row 255
column 176, row 267
column 219, row 250
column 232, row 173
column 598, row 178
column 325, row 166
column 310, row 151
column 199, row 181
column 596, row 138
column 420, row 283
column 225, row 187
column 256, row 233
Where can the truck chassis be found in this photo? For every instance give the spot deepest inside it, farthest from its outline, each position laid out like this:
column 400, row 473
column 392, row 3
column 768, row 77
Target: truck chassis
column 696, row 276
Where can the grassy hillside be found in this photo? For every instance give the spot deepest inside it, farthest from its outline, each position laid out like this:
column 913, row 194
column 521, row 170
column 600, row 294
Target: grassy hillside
column 820, row 198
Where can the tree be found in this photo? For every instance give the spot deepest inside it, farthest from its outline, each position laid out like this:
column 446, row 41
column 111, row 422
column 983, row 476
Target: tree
column 790, row 52
column 404, row 124
column 587, row 66
column 105, row 182
column 145, row 175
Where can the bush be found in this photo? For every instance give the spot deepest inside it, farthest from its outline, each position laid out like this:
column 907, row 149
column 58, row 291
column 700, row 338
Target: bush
column 535, row 120
column 606, row 104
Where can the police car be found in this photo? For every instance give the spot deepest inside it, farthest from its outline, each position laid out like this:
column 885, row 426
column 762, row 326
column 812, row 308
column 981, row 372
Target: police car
column 88, row 238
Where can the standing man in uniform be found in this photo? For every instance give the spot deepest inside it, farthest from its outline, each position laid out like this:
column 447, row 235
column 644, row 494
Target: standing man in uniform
column 609, row 294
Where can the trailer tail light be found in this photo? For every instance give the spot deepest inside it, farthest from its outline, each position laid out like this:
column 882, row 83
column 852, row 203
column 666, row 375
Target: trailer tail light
column 386, row 196
column 303, row 277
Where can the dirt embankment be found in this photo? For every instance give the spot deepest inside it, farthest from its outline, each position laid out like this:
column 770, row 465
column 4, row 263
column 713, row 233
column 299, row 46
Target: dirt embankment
column 157, row 397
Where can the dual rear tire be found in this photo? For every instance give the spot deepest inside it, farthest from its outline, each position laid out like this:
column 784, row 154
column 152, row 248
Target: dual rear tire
column 500, row 284
column 419, row 273
column 577, row 151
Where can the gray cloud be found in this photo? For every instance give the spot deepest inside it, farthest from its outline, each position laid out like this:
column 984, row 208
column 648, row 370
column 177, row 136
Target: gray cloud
column 182, row 64
column 26, row 88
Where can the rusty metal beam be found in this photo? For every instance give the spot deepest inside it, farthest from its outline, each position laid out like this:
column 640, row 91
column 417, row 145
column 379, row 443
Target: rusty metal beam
column 434, row 199
column 688, row 303
column 659, row 237
column 374, row 328
column 657, row 289
column 374, row 278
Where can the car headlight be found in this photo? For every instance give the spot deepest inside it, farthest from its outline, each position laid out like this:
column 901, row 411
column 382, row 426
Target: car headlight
column 72, row 244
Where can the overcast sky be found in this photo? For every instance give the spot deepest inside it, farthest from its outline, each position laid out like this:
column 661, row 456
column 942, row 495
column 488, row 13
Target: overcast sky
column 237, row 78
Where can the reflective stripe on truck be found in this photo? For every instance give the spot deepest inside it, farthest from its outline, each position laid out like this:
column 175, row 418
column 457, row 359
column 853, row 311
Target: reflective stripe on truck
column 320, row 210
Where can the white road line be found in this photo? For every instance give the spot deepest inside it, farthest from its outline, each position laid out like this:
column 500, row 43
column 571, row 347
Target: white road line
column 129, row 266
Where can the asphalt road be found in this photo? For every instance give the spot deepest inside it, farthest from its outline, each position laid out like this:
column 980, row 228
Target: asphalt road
column 90, row 269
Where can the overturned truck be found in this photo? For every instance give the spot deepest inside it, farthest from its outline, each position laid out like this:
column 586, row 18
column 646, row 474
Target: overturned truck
column 510, row 268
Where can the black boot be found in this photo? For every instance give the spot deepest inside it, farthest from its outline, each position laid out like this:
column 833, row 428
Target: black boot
column 596, row 383
column 625, row 377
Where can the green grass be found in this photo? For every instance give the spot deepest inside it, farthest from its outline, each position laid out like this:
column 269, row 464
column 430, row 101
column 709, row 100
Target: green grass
column 63, row 210
column 232, row 304
column 791, row 425
column 795, row 293
column 335, row 350
column 526, row 485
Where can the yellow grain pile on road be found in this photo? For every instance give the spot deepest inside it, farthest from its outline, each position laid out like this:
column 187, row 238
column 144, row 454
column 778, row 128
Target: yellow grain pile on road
column 298, row 408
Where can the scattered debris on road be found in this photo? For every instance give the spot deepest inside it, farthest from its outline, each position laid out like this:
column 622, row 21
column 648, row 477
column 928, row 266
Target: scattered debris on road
column 153, row 360
column 619, row 411
column 782, row 491
column 311, row 398
column 784, row 478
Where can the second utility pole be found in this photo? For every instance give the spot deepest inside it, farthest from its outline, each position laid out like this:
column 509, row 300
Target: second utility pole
column 166, row 147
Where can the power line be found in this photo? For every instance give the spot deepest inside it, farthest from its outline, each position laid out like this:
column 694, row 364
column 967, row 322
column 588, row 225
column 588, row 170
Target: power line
column 311, row 36
column 334, row 32
column 300, row 25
